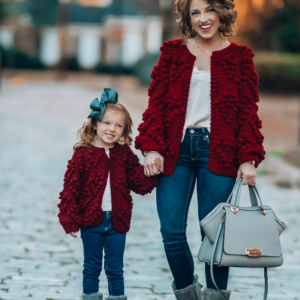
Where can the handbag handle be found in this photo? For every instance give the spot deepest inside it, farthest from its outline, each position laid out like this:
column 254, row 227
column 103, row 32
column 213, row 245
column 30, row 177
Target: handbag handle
column 235, row 195
column 238, row 183
column 254, row 197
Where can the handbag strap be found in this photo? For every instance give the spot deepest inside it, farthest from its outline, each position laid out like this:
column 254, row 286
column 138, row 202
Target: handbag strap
column 254, row 189
column 253, row 198
column 213, row 256
column 235, row 195
column 266, row 283
column 238, row 183
column 221, row 224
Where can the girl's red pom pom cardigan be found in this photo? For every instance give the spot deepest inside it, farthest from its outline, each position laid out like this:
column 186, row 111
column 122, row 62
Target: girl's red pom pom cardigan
column 235, row 136
column 85, row 182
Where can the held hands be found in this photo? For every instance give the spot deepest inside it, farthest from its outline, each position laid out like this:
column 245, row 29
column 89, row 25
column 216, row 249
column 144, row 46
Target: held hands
column 248, row 172
column 73, row 234
column 153, row 164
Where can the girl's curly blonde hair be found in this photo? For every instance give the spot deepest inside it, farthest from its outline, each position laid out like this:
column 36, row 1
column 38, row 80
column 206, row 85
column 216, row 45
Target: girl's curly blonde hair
column 87, row 133
column 224, row 8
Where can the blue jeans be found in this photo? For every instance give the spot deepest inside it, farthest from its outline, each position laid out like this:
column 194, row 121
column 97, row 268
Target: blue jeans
column 95, row 240
column 173, row 196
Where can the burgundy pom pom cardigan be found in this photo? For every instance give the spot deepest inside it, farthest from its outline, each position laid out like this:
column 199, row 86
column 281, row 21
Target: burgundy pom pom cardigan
column 85, row 182
column 235, row 136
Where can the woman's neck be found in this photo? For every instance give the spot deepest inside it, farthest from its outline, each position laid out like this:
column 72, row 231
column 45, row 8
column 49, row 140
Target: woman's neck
column 208, row 44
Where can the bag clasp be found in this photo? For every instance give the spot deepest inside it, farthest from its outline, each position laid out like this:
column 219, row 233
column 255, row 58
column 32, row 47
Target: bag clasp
column 252, row 252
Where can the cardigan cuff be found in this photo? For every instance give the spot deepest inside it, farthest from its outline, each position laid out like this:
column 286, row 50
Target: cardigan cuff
column 151, row 182
column 145, row 144
column 71, row 227
column 248, row 157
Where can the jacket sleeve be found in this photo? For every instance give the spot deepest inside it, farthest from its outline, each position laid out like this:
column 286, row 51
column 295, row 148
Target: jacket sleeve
column 249, row 136
column 152, row 130
column 138, row 182
column 69, row 210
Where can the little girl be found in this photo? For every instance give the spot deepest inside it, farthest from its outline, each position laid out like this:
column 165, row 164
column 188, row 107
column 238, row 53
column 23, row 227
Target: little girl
column 96, row 194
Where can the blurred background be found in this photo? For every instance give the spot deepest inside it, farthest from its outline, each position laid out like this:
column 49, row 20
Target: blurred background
column 123, row 37
column 55, row 58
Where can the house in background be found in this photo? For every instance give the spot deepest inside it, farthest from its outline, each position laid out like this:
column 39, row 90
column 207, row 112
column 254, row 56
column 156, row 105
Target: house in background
column 118, row 32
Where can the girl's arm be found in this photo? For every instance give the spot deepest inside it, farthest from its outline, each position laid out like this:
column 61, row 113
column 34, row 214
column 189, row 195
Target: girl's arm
column 137, row 180
column 152, row 130
column 69, row 214
column 249, row 136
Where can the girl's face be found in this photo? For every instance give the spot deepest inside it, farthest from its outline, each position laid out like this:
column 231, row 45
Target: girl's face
column 204, row 19
column 110, row 130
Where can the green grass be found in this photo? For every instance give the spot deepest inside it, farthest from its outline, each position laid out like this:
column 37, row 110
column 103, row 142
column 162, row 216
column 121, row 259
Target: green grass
column 276, row 153
column 276, row 62
column 278, row 71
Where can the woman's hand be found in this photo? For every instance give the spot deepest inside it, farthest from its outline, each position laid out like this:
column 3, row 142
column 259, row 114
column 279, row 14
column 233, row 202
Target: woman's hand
column 73, row 234
column 154, row 164
column 249, row 174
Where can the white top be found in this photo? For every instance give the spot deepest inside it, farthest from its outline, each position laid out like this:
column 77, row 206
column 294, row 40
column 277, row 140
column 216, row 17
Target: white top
column 106, row 201
column 198, row 108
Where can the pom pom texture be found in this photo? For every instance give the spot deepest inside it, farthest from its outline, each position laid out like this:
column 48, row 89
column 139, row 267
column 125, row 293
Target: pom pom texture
column 235, row 135
column 85, row 181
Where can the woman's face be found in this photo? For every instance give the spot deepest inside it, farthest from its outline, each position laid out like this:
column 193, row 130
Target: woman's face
column 204, row 19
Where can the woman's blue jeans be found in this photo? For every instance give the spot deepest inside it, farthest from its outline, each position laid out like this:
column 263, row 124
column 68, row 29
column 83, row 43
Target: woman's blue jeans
column 173, row 196
column 95, row 240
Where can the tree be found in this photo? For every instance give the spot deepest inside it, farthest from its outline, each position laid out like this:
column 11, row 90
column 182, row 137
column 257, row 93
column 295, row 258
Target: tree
column 166, row 7
column 285, row 33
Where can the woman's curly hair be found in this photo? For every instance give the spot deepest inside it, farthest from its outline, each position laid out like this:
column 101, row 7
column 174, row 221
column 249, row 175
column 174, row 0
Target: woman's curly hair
column 87, row 133
column 224, row 8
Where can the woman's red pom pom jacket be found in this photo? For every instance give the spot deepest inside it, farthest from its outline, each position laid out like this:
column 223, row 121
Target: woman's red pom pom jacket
column 234, row 137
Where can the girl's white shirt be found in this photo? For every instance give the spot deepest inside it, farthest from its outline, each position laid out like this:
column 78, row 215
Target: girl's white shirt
column 198, row 108
column 106, row 201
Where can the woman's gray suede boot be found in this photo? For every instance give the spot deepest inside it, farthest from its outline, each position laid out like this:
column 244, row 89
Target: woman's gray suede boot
column 191, row 292
column 116, row 298
column 95, row 296
column 211, row 294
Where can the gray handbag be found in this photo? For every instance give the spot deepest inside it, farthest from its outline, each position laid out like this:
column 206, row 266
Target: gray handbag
column 242, row 236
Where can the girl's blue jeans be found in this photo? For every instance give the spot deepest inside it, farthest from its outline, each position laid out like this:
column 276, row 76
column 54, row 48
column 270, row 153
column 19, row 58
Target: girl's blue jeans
column 173, row 196
column 95, row 240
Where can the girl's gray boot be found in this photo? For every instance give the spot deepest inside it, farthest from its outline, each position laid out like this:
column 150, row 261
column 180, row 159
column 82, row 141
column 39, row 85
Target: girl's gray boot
column 211, row 294
column 116, row 298
column 95, row 296
column 191, row 292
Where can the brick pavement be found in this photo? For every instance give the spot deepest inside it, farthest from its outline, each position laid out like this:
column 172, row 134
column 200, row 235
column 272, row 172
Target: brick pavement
column 39, row 261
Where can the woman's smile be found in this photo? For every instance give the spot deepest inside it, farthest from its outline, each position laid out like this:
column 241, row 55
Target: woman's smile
column 205, row 28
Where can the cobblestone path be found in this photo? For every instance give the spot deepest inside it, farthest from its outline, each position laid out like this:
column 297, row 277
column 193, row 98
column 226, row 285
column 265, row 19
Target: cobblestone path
column 39, row 261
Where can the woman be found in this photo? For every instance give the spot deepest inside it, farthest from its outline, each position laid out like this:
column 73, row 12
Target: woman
column 200, row 128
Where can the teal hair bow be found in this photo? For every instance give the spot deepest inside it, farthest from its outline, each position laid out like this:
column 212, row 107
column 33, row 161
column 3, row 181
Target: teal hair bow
column 98, row 107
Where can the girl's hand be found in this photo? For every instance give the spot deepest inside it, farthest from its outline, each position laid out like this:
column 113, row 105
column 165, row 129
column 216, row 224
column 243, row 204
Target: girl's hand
column 249, row 174
column 73, row 234
column 154, row 164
